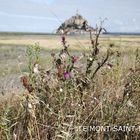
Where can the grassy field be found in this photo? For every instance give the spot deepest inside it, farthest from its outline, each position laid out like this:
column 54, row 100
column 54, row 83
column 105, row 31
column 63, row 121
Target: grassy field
column 13, row 52
column 76, row 42
column 61, row 108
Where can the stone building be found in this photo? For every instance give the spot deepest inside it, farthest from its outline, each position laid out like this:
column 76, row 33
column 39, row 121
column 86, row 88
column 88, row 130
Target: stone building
column 75, row 25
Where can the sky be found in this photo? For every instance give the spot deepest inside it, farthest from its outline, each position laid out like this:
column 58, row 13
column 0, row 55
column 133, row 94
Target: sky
column 47, row 15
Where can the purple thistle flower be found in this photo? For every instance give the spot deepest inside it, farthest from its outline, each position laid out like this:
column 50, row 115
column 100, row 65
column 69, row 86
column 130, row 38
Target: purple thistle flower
column 67, row 75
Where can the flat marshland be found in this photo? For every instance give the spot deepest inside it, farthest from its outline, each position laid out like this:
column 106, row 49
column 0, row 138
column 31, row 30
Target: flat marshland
column 102, row 103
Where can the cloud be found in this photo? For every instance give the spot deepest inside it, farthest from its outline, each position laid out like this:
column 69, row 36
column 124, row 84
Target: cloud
column 49, row 14
column 134, row 19
column 42, row 1
column 50, row 1
column 27, row 16
column 118, row 22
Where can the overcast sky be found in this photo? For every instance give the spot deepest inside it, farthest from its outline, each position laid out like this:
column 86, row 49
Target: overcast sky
column 47, row 15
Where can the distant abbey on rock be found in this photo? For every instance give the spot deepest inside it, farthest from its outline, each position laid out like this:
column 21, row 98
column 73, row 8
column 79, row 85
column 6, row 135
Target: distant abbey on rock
column 75, row 25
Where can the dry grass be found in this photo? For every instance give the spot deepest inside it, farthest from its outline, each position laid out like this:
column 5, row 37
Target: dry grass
column 55, row 112
column 76, row 42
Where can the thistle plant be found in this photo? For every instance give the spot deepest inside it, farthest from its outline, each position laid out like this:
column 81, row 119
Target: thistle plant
column 58, row 99
column 69, row 80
